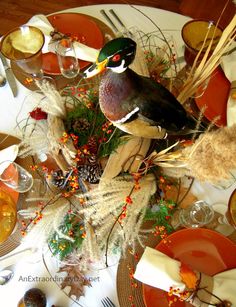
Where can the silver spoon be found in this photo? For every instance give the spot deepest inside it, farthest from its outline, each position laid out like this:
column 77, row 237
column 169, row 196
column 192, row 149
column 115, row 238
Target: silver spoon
column 5, row 276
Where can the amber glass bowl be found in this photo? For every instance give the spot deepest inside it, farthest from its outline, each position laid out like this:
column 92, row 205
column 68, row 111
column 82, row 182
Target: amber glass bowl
column 197, row 34
column 231, row 212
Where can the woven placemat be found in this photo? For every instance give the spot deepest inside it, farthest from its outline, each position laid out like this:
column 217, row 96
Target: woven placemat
column 60, row 81
column 123, row 281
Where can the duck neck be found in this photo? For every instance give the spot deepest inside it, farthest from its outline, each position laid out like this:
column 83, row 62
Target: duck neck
column 114, row 89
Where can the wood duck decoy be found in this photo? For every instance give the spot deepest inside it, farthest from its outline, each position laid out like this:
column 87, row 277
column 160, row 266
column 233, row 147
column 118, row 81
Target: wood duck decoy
column 136, row 104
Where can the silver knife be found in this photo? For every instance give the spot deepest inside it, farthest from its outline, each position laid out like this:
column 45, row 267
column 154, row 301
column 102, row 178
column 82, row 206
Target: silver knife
column 9, row 75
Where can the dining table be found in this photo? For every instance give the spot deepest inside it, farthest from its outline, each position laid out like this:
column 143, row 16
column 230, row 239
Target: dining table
column 40, row 270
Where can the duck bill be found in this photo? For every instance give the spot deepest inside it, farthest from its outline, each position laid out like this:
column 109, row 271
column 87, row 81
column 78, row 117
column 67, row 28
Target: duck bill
column 95, row 69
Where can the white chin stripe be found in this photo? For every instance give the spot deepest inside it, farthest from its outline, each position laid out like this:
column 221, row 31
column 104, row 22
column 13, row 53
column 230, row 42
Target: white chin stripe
column 89, row 74
column 120, row 68
column 127, row 116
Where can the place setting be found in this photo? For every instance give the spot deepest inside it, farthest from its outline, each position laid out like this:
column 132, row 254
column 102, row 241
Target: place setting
column 120, row 189
column 38, row 58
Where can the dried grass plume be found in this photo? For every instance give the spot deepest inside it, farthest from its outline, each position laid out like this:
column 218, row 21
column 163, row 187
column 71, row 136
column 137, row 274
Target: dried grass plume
column 213, row 156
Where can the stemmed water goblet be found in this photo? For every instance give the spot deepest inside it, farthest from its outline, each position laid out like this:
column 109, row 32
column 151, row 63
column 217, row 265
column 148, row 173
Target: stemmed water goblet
column 23, row 46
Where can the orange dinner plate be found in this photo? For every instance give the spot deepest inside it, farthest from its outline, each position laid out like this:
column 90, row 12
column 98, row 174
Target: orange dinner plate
column 76, row 25
column 202, row 249
column 6, row 189
column 215, row 97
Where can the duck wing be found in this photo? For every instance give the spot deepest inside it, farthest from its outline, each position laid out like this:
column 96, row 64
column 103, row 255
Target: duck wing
column 156, row 104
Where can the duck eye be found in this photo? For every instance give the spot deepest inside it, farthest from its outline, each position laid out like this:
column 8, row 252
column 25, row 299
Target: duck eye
column 116, row 58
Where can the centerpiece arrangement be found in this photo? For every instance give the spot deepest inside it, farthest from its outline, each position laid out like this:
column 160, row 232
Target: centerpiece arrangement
column 114, row 148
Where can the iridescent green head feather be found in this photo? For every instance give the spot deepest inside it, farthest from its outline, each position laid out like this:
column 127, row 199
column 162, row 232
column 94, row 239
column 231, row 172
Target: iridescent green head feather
column 117, row 55
column 122, row 45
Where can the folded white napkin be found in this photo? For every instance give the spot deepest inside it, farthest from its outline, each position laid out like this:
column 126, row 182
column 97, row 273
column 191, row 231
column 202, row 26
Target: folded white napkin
column 160, row 271
column 83, row 52
column 8, row 154
column 228, row 65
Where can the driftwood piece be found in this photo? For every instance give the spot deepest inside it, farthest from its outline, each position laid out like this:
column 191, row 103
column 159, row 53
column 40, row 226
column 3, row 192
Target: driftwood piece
column 127, row 157
column 60, row 150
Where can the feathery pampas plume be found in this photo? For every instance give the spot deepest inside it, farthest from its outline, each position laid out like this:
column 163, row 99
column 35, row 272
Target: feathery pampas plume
column 53, row 214
column 105, row 204
column 212, row 157
column 53, row 103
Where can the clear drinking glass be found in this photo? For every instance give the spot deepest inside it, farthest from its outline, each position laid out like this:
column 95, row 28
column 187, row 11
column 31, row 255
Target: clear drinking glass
column 67, row 60
column 16, row 177
column 197, row 215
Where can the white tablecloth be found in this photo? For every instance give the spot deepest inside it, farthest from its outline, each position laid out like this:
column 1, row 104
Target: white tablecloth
column 28, row 275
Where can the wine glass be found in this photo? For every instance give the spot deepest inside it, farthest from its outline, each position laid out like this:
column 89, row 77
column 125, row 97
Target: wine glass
column 196, row 215
column 15, row 176
column 67, row 60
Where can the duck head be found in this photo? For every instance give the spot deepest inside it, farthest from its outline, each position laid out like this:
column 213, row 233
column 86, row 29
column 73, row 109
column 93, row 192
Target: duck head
column 116, row 55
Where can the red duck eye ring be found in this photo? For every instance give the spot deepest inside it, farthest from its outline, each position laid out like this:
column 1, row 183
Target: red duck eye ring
column 116, row 58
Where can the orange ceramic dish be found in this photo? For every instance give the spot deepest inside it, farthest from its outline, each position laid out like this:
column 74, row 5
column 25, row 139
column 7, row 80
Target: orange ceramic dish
column 202, row 249
column 79, row 27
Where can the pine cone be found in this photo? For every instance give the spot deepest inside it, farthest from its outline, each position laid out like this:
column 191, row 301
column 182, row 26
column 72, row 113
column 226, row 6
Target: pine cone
column 92, row 144
column 92, row 160
column 90, row 173
column 81, row 124
column 58, row 178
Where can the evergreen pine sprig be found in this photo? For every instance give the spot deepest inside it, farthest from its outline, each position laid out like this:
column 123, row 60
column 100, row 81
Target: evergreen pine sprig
column 161, row 214
column 88, row 111
column 72, row 226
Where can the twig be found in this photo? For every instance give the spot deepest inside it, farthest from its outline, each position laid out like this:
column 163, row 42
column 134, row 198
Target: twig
column 186, row 193
column 110, row 232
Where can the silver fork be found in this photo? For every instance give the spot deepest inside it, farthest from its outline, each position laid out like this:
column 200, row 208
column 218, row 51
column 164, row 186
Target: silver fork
column 106, row 302
column 124, row 30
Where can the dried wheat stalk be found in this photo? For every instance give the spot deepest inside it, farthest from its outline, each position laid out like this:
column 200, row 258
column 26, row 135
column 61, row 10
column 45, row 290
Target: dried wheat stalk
column 208, row 64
